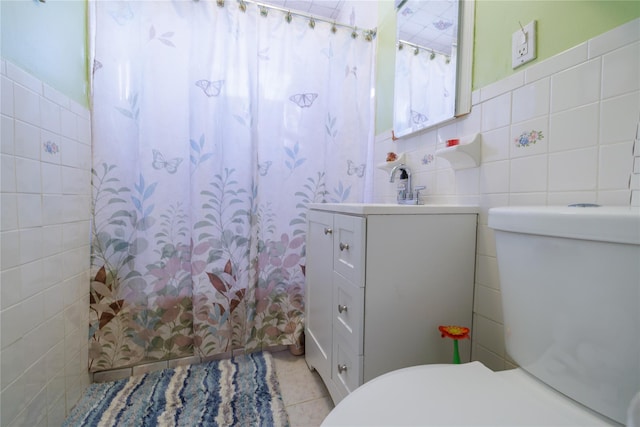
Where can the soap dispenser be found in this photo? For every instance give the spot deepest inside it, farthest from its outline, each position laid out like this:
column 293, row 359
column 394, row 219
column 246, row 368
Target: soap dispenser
column 403, row 184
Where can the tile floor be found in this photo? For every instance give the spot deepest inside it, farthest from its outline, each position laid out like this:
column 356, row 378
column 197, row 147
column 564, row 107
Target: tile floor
column 305, row 397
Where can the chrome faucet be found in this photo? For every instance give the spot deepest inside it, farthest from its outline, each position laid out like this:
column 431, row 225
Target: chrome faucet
column 405, row 195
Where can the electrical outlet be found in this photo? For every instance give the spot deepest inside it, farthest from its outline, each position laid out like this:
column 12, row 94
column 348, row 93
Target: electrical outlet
column 523, row 45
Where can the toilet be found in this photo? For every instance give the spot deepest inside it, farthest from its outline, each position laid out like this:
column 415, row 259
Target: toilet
column 570, row 285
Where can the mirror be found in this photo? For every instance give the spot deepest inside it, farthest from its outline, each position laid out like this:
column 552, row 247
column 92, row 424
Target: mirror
column 434, row 49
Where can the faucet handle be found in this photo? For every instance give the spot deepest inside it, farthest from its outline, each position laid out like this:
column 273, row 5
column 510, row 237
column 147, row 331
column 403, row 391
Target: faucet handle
column 416, row 192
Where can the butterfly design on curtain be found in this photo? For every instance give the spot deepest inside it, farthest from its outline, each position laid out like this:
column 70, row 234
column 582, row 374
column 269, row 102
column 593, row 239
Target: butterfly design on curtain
column 418, row 118
column 263, row 168
column 210, row 88
column 303, row 100
column 351, row 70
column 122, row 14
column 159, row 162
column 352, row 169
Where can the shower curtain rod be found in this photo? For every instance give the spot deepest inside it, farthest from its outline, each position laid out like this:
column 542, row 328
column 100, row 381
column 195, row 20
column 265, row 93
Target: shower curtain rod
column 369, row 34
column 402, row 43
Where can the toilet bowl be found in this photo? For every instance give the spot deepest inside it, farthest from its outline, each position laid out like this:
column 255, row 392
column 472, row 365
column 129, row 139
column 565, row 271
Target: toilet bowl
column 570, row 287
column 464, row 395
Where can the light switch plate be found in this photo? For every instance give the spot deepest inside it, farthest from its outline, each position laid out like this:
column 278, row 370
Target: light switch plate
column 523, row 45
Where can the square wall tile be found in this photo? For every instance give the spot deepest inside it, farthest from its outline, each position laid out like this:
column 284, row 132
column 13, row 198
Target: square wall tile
column 489, row 333
column 30, row 244
column 11, row 325
column 488, row 303
column 8, row 212
column 51, row 178
column 7, row 173
column 31, row 278
column 26, row 140
column 495, row 145
column 10, row 287
column 529, row 138
column 576, row 86
column 50, row 147
column 496, row 112
column 10, row 248
column 494, row 177
column 7, row 135
column 619, row 118
column 560, row 62
column 487, row 272
column 530, row 101
column 26, row 105
column 68, row 124
column 55, row 96
column 28, row 177
column 574, row 170
column 6, row 96
column 49, row 115
column 528, row 174
column 12, row 363
column 615, row 165
column 23, row 78
column 29, row 210
column 614, row 39
column 565, row 198
column 575, row 128
column 614, row 197
column 620, row 71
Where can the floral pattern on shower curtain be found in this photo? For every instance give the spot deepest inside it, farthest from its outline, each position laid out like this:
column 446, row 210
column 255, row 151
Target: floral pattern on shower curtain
column 214, row 128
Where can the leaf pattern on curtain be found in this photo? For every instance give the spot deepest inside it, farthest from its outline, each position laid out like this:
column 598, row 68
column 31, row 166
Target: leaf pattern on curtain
column 214, row 129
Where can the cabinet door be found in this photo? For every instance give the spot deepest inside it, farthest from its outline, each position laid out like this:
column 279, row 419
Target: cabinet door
column 346, row 371
column 349, row 248
column 348, row 310
column 319, row 301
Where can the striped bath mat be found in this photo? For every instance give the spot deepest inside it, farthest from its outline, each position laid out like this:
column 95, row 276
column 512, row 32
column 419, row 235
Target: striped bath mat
column 242, row 391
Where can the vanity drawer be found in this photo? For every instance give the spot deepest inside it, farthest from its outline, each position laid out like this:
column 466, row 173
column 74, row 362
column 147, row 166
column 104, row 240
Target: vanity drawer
column 349, row 247
column 346, row 371
column 348, row 311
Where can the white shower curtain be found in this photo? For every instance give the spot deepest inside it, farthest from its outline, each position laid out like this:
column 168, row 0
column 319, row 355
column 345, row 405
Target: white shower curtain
column 424, row 88
column 214, row 127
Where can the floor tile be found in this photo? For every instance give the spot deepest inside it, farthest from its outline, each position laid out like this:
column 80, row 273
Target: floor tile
column 304, row 394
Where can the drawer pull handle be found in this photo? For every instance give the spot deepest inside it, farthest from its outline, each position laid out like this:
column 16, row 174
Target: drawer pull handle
column 342, row 368
column 344, row 246
column 342, row 308
column 328, row 230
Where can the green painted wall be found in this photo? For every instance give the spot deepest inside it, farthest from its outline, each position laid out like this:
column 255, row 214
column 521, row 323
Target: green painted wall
column 49, row 41
column 561, row 24
column 385, row 65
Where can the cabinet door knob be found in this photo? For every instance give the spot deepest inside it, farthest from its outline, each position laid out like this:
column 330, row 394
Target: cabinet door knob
column 327, row 230
column 342, row 308
column 344, row 246
column 342, row 368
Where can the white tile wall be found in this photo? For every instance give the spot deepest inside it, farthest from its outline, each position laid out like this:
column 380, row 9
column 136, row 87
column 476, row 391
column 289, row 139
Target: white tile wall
column 586, row 104
column 44, row 235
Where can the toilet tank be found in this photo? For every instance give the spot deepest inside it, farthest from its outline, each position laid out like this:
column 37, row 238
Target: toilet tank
column 570, row 285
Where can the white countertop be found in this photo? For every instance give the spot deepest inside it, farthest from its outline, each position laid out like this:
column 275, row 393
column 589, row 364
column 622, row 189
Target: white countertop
column 392, row 209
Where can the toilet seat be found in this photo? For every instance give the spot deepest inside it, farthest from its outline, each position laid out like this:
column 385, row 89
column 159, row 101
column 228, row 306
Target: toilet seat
column 468, row 394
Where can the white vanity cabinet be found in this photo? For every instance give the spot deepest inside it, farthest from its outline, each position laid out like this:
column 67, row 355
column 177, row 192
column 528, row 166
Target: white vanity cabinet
column 380, row 279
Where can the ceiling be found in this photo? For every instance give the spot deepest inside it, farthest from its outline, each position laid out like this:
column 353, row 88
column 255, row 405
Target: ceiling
column 432, row 24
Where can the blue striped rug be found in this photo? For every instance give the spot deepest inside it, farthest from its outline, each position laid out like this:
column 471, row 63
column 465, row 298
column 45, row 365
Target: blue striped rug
column 242, row 391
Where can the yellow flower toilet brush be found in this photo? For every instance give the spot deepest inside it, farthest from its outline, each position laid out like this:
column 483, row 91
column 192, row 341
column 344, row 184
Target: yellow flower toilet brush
column 456, row 333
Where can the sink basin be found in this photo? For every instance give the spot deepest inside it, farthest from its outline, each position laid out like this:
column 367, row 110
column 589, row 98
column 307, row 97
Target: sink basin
column 392, row 209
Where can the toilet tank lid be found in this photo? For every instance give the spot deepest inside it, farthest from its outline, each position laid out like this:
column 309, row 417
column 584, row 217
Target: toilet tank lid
column 617, row 224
